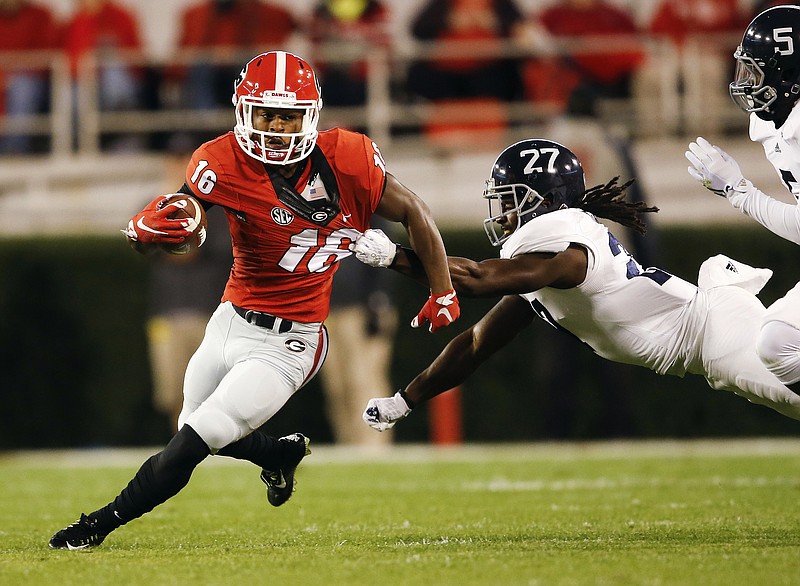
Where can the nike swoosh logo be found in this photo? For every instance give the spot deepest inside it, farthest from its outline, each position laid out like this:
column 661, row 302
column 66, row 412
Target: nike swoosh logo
column 346, row 217
column 445, row 311
column 140, row 223
column 71, row 547
column 282, row 483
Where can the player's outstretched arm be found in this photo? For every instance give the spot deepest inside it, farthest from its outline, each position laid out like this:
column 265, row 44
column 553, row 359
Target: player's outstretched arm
column 459, row 359
column 522, row 274
column 720, row 173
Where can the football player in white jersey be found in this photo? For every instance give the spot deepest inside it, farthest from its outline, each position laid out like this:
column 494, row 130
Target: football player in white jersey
column 559, row 262
column 767, row 85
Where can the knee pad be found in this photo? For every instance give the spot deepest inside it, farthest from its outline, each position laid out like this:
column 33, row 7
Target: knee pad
column 778, row 347
column 216, row 428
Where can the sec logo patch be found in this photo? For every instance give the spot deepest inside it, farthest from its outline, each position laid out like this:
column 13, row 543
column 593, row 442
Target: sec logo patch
column 295, row 345
column 281, row 216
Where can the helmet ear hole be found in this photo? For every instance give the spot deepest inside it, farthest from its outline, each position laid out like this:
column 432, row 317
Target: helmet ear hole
column 789, row 75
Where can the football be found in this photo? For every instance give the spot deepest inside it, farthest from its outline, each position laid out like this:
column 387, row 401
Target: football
column 185, row 206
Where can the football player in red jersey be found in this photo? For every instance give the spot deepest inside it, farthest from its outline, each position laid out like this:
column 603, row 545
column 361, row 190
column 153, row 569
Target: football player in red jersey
column 296, row 199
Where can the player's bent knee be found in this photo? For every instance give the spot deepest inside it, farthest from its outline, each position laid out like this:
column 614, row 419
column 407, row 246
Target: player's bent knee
column 778, row 347
column 186, row 448
column 216, row 428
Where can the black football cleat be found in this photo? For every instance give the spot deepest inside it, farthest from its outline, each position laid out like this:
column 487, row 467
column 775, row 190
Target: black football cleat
column 280, row 483
column 81, row 534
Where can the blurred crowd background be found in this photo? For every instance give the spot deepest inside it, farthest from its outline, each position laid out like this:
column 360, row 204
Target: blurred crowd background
column 391, row 68
column 437, row 83
column 103, row 101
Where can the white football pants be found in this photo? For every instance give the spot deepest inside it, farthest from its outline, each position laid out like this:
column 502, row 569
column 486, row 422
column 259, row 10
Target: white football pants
column 242, row 374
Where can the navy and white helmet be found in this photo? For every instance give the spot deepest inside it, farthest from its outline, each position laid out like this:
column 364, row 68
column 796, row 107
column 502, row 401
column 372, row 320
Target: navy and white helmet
column 767, row 79
column 526, row 174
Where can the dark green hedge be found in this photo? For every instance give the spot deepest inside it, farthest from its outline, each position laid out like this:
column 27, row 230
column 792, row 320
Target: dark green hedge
column 75, row 369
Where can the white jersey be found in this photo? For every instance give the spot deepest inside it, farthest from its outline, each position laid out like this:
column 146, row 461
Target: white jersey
column 782, row 148
column 650, row 318
column 622, row 311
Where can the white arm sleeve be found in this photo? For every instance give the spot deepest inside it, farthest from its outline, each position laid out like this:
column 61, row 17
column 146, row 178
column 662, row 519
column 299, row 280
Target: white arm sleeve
column 781, row 218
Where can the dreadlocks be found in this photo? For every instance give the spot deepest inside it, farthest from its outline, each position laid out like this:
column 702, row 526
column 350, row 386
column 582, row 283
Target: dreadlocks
column 608, row 201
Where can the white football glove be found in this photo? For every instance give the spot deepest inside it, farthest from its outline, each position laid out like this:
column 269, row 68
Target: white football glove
column 383, row 413
column 717, row 171
column 374, row 248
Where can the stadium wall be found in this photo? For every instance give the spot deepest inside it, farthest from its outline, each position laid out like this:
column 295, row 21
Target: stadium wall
column 76, row 373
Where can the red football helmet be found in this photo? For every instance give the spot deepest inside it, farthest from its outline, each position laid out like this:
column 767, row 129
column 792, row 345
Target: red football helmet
column 277, row 80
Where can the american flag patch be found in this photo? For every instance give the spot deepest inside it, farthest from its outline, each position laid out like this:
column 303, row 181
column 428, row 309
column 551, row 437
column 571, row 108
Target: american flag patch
column 315, row 191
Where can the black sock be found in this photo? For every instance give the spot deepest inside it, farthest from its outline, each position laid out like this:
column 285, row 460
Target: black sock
column 260, row 449
column 161, row 477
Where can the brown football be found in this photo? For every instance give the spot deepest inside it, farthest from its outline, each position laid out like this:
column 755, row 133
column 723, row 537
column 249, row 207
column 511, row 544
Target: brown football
column 185, row 206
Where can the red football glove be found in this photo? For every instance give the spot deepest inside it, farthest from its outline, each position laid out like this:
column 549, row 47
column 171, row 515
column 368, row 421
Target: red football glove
column 152, row 226
column 439, row 310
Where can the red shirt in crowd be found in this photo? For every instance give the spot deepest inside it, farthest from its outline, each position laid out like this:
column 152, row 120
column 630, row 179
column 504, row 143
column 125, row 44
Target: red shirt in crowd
column 599, row 19
column 31, row 28
column 109, row 27
column 678, row 19
column 243, row 24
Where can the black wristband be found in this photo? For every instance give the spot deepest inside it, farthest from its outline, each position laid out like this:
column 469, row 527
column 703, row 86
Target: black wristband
column 408, row 401
column 397, row 249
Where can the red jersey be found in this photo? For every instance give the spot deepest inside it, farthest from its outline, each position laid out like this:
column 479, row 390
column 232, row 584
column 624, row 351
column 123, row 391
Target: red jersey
column 284, row 264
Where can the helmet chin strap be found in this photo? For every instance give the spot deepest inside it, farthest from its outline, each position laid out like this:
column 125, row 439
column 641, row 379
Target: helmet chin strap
column 780, row 111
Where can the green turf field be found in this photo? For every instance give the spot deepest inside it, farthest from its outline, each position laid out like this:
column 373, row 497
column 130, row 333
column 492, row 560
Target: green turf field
column 655, row 513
